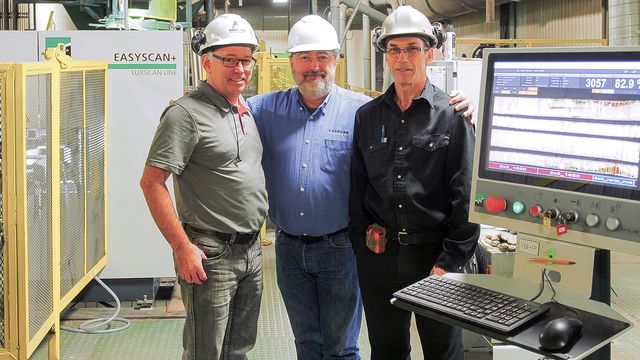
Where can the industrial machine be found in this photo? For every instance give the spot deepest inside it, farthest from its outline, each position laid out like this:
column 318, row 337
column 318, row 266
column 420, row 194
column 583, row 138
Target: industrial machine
column 558, row 160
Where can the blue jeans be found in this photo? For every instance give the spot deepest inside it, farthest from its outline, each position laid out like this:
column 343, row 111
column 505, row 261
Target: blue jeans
column 319, row 285
column 222, row 313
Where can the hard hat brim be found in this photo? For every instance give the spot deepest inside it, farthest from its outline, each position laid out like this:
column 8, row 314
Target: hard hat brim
column 221, row 44
column 313, row 47
column 429, row 38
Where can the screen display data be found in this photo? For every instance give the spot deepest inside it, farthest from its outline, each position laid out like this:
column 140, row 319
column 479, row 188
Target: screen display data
column 577, row 122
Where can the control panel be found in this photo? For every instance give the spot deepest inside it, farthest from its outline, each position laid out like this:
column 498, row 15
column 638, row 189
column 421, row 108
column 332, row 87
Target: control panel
column 568, row 216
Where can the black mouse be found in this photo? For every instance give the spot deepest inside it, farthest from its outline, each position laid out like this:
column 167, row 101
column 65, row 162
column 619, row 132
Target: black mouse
column 559, row 332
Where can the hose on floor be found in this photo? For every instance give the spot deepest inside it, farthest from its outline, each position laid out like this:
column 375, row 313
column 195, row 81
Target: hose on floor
column 91, row 326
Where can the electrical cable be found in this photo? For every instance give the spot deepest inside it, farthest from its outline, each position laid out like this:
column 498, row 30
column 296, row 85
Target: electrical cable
column 553, row 297
column 542, row 276
column 545, row 278
column 90, row 326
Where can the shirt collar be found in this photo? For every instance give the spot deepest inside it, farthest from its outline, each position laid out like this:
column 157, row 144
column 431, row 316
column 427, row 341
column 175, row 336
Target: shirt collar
column 426, row 94
column 298, row 98
column 218, row 100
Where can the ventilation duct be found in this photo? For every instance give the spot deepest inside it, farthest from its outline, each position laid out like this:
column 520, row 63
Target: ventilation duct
column 446, row 9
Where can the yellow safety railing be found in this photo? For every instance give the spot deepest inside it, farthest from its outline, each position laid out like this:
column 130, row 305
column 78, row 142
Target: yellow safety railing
column 54, row 240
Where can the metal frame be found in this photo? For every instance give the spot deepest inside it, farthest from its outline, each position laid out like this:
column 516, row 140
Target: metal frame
column 20, row 340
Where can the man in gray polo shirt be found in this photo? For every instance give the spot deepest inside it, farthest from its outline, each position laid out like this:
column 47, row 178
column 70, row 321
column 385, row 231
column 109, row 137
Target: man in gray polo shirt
column 209, row 142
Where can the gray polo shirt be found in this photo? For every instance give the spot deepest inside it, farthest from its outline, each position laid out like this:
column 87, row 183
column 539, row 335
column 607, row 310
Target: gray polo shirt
column 199, row 139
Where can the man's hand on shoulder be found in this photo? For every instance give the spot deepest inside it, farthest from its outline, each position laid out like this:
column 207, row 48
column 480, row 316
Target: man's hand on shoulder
column 461, row 102
column 188, row 258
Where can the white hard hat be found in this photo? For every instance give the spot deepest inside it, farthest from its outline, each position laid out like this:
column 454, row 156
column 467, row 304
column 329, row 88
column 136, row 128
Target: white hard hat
column 227, row 29
column 312, row 33
column 406, row 21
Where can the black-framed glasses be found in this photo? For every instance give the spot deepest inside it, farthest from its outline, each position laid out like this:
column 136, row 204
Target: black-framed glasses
column 233, row 62
column 410, row 50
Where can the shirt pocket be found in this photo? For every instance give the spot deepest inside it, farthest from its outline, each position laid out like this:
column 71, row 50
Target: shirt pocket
column 336, row 156
column 431, row 142
column 377, row 159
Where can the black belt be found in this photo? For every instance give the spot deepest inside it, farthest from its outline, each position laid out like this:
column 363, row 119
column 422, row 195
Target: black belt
column 415, row 238
column 237, row 238
column 313, row 239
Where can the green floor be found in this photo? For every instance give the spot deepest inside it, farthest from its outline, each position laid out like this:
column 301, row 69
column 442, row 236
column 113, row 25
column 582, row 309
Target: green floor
column 157, row 335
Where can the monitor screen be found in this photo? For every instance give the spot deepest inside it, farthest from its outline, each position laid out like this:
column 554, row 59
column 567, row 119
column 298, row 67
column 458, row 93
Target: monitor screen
column 558, row 144
column 569, row 122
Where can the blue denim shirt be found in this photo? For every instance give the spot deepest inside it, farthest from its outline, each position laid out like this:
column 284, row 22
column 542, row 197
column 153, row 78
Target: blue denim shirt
column 307, row 158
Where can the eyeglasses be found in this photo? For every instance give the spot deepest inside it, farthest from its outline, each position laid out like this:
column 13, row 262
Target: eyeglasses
column 306, row 58
column 233, row 62
column 409, row 50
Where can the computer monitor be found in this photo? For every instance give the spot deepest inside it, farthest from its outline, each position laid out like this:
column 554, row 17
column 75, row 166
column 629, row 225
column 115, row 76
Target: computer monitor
column 558, row 145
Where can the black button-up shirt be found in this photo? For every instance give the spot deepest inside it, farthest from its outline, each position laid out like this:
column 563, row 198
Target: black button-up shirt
column 411, row 171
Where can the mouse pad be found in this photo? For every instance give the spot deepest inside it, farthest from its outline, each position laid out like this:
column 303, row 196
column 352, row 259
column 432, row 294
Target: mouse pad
column 596, row 329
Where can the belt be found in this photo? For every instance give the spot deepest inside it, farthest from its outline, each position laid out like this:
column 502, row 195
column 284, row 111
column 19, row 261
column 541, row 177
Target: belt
column 237, row 238
column 313, row 239
column 415, row 238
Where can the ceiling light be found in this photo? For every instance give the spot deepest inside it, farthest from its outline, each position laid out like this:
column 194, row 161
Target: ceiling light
column 280, row 1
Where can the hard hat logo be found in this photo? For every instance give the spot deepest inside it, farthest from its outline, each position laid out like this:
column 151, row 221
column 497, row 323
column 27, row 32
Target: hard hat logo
column 234, row 28
column 408, row 22
column 312, row 33
column 226, row 30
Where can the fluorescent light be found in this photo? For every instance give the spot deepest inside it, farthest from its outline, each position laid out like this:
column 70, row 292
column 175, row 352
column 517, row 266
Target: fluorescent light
column 280, row 1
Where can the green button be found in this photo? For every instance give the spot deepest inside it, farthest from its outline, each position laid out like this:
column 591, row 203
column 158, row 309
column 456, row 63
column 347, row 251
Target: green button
column 518, row 207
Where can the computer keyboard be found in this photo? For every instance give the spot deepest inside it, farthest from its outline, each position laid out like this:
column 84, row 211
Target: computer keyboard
column 496, row 311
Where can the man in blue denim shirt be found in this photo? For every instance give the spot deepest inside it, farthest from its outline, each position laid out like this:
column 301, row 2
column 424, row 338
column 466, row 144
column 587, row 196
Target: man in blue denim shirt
column 307, row 135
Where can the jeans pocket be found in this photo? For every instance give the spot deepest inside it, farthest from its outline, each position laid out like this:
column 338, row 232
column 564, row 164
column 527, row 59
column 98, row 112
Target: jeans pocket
column 214, row 249
column 341, row 241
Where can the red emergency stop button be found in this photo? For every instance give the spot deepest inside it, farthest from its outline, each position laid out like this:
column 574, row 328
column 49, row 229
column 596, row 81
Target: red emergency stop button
column 535, row 210
column 495, row 204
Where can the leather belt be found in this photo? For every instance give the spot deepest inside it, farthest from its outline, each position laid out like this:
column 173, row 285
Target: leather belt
column 313, row 239
column 238, row 238
column 415, row 238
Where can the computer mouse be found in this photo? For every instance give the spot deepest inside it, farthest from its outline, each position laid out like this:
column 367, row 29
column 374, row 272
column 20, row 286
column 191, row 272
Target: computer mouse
column 559, row 332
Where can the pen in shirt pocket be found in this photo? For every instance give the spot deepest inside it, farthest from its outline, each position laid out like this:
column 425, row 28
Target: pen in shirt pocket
column 383, row 135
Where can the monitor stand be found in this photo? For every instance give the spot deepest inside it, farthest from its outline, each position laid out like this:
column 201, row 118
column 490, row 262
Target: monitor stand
column 601, row 291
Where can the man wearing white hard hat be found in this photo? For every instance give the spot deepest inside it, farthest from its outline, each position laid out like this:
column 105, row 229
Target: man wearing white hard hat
column 209, row 142
column 307, row 134
column 410, row 185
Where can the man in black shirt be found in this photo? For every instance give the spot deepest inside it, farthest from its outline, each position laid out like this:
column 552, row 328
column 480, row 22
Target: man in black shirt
column 410, row 184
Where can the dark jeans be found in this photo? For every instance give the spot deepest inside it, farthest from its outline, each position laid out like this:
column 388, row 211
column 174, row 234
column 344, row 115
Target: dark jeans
column 383, row 274
column 319, row 286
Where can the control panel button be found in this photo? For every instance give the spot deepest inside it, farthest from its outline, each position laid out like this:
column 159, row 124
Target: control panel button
column 495, row 204
column 592, row 220
column 613, row 223
column 518, row 207
column 571, row 216
column 535, row 210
